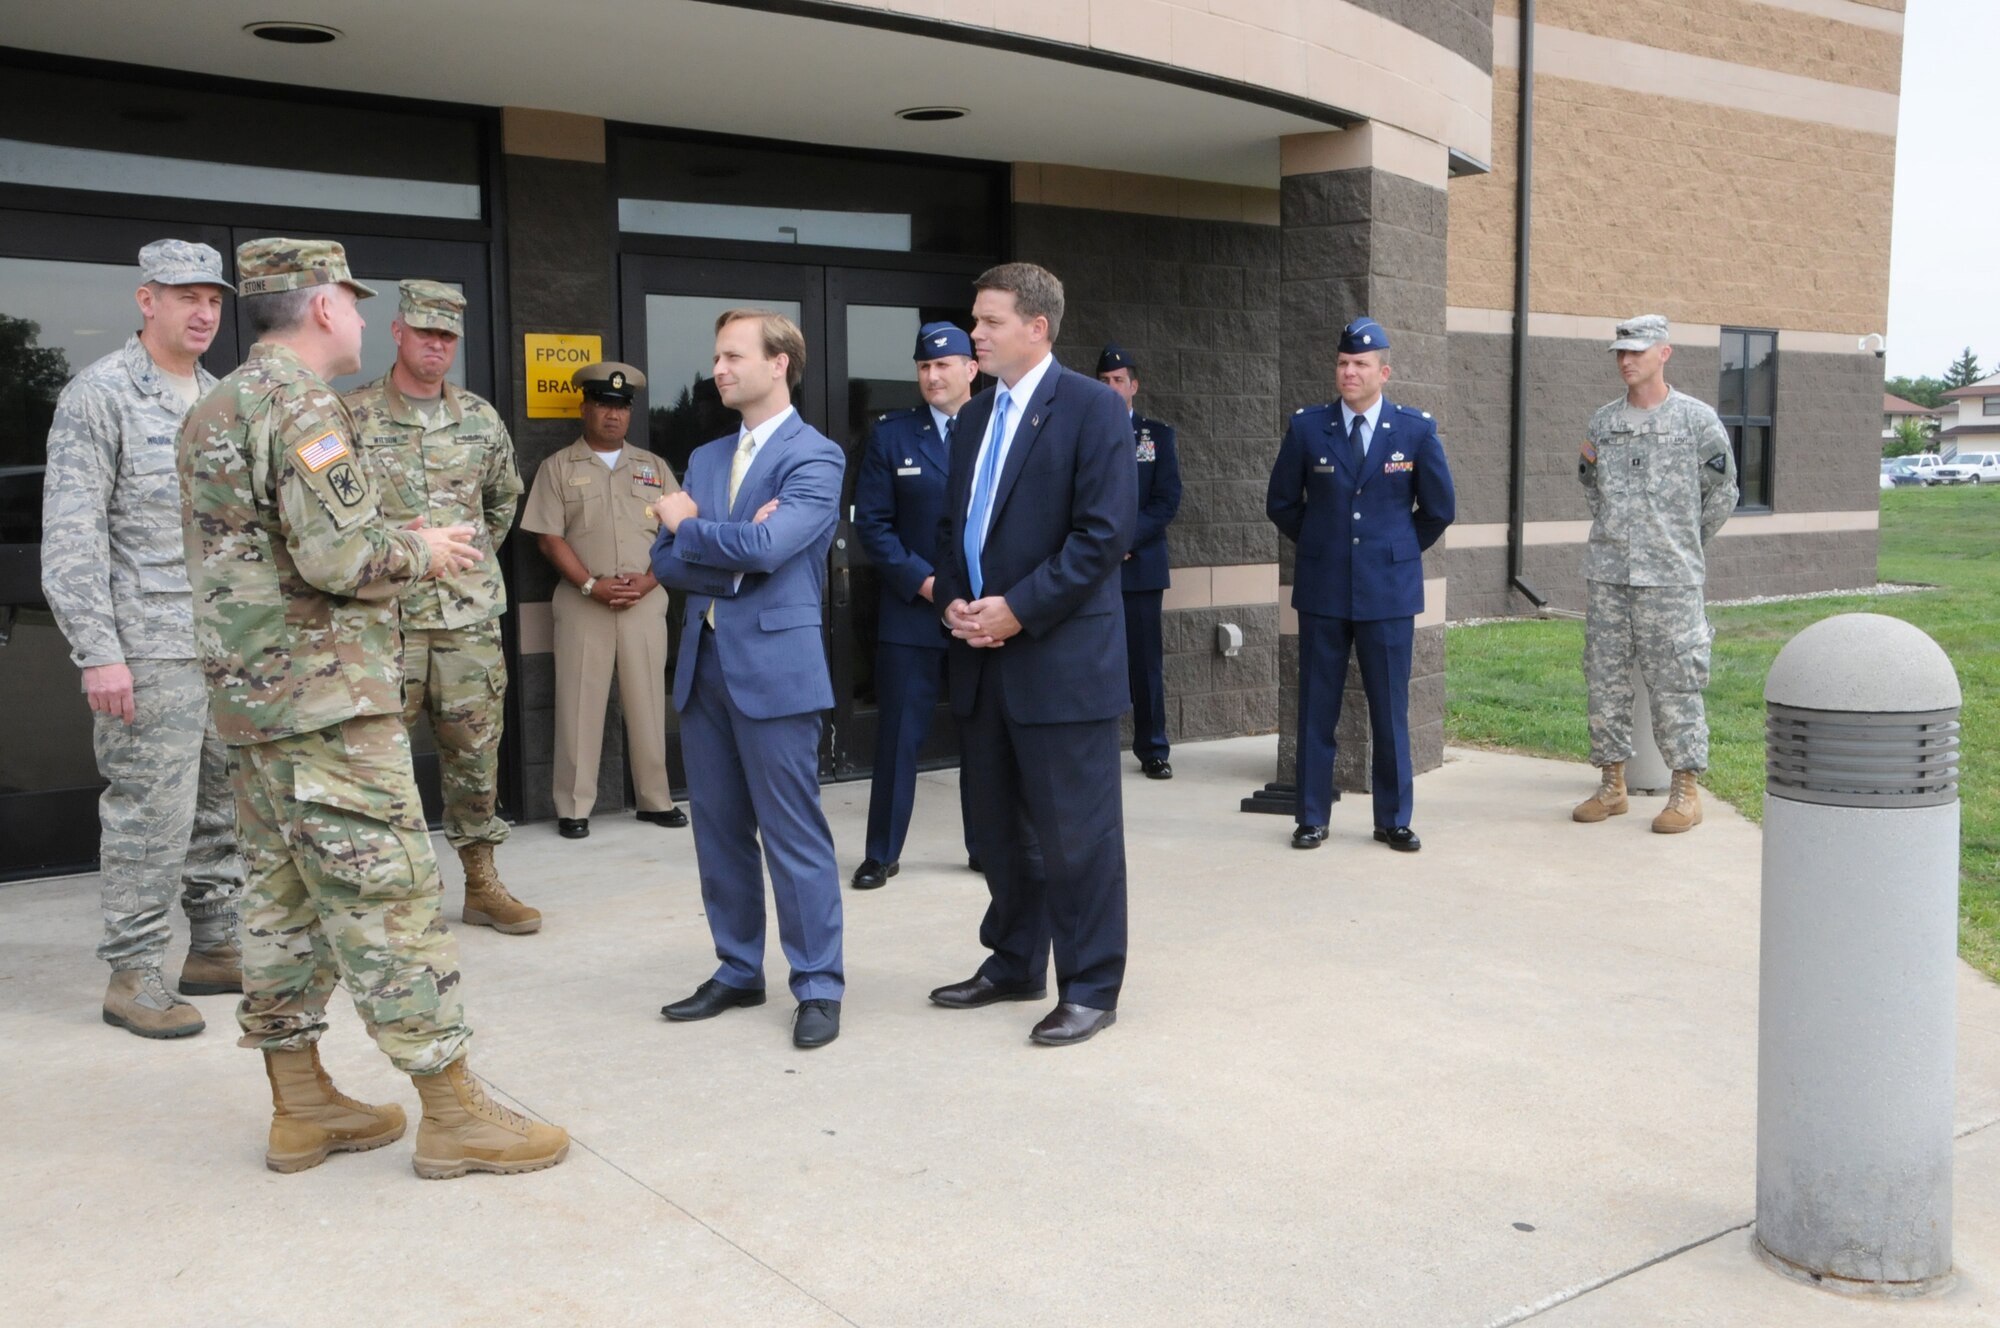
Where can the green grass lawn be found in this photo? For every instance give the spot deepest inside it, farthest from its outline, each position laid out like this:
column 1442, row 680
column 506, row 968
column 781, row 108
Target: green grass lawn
column 1519, row 685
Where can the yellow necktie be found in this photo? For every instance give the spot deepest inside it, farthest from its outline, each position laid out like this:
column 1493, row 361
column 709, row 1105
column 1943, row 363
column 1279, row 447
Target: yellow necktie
column 738, row 464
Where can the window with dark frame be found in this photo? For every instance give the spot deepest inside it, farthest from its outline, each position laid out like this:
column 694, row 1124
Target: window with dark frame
column 1747, row 401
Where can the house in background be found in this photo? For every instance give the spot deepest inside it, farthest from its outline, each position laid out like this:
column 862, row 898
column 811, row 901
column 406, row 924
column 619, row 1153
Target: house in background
column 1971, row 417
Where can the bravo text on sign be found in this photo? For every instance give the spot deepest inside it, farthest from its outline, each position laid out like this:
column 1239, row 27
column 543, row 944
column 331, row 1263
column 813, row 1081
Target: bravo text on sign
column 551, row 358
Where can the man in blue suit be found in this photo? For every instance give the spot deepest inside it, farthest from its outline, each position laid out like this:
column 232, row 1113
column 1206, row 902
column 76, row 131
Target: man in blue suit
column 1038, row 516
column 747, row 538
column 1361, row 486
column 898, row 500
column 1144, row 571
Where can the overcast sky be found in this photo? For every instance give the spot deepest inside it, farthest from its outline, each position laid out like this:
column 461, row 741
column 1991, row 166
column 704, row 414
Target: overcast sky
column 1944, row 268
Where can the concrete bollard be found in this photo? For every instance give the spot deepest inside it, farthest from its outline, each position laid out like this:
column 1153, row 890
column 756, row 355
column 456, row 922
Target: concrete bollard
column 1647, row 771
column 1859, row 959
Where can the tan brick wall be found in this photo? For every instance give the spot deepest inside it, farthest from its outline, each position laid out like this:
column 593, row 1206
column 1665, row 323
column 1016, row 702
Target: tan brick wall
column 1703, row 213
column 1740, row 32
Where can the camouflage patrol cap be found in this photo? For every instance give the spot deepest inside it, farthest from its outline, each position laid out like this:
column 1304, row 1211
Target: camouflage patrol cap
column 610, row 381
column 1641, row 333
column 181, row 263
column 267, row 267
column 431, row 304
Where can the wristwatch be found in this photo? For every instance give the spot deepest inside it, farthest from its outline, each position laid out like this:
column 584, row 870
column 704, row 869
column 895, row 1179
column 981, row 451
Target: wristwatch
column 586, row 587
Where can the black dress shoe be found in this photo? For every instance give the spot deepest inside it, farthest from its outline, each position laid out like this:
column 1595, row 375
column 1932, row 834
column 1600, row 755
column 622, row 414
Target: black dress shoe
column 573, row 827
column 973, row 862
column 710, row 999
column 1401, row 838
column 872, row 875
column 672, row 816
column 816, row 1023
column 1070, row 1022
column 1156, row 767
column 978, row 991
column 1308, row 836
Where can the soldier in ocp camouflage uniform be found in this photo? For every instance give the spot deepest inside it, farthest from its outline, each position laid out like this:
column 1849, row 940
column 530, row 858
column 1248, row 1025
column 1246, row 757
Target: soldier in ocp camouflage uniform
column 113, row 572
column 1662, row 481
column 441, row 455
column 297, row 578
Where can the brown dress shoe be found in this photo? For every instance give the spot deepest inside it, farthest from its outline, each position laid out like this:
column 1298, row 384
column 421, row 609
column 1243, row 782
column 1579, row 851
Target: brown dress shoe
column 1070, row 1022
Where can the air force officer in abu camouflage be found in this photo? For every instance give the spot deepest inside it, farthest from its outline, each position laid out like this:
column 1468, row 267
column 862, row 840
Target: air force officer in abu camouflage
column 1362, row 487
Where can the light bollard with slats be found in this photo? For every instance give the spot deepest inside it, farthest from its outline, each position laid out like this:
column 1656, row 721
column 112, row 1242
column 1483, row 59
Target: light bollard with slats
column 1858, row 975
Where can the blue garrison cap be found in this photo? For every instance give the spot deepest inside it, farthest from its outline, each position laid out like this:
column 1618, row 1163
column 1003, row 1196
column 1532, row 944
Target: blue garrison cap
column 1362, row 335
column 1116, row 356
column 937, row 340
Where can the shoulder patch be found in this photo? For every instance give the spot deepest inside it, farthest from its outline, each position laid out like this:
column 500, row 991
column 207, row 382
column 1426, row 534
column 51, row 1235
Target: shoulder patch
column 1719, row 463
column 316, row 454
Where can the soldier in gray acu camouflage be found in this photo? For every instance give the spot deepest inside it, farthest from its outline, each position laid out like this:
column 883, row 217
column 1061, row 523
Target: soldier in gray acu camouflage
column 114, row 573
column 1661, row 477
column 296, row 619
column 441, row 455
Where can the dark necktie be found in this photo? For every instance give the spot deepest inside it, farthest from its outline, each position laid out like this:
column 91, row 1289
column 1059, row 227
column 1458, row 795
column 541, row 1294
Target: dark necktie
column 1359, row 443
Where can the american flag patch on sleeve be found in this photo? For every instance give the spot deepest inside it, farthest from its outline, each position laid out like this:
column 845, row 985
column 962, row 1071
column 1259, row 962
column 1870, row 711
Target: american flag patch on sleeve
column 322, row 451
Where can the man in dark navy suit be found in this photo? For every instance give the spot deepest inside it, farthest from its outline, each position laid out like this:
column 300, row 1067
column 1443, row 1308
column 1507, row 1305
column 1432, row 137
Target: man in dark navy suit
column 1039, row 515
column 747, row 538
column 1361, row 486
column 898, row 501
column 1144, row 572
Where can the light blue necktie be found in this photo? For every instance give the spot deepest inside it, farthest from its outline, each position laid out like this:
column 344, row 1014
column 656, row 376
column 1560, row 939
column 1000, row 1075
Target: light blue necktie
column 983, row 480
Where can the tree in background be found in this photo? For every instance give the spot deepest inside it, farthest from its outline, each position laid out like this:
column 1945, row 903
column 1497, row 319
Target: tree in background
column 1927, row 391
column 1964, row 371
column 1912, row 437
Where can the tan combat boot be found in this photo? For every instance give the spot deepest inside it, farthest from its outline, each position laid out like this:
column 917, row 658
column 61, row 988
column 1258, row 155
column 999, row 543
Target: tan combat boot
column 138, row 1002
column 1609, row 800
column 1683, row 810
column 487, row 903
column 213, row 971
column 465, row 1130
column 311, row 1118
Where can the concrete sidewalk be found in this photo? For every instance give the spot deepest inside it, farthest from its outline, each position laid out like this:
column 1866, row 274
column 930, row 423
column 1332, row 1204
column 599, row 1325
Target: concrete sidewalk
column 1509, row 1078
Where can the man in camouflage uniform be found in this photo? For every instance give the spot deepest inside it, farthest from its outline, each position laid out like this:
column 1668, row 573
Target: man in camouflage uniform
column 113, row 571
column 1662, row 479
column 297, row 579
column 441, row 456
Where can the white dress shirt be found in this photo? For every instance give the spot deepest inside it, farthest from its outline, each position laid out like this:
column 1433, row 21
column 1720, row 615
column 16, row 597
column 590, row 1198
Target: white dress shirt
column 1372, row 415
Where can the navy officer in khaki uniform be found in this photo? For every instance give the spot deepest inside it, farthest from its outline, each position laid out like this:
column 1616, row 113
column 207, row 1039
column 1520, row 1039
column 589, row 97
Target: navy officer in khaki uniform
column 591, row 512
column 1144, row 573
column 1361, row 486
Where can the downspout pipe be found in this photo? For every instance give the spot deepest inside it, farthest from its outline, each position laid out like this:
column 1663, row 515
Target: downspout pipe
column 1524, row 193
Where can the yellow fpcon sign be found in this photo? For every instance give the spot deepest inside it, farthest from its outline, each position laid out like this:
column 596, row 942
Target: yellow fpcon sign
column 551, row 358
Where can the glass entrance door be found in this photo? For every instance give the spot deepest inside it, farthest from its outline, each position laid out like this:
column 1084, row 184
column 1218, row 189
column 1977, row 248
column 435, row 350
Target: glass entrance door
column 66, row 301
column 861, row 328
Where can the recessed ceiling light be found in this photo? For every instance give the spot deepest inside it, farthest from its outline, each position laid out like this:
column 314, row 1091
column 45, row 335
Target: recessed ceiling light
column 293, row 33
column 928, row 113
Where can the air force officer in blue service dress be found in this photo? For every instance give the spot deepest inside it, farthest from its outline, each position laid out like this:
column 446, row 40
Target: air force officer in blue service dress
column 1038, row 517
column 1361, row 486
column 898, row 500
column 747, row 538
column 1144, row 573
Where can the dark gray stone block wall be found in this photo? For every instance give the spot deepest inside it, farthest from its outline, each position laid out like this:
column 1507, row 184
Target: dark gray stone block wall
column 1463, row 27
column 560, row 259
column 1827, row 434
column 1196, row 303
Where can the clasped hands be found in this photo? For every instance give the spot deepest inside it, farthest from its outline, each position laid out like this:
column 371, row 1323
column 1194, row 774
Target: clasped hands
column 452, row 547
column 984, row 623
column 678, row 506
